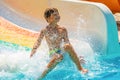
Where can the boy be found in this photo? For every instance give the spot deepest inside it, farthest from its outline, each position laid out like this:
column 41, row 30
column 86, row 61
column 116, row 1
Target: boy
column 55, row 35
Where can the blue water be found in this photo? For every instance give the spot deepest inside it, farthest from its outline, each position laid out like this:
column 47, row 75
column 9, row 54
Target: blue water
column 15, row 64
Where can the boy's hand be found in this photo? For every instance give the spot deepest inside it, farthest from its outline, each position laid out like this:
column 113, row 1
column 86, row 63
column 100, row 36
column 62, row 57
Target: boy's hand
column 31, row 55
column 84, row 71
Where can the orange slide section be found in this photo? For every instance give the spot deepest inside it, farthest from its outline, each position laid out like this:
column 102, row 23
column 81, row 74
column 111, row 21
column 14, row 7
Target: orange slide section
column 114, row 5
column 35, row 8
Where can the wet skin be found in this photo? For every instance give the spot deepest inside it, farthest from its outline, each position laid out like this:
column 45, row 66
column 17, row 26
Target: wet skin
column 55, row 36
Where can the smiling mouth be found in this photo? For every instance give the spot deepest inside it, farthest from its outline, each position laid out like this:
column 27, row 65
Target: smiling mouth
column 57, row 18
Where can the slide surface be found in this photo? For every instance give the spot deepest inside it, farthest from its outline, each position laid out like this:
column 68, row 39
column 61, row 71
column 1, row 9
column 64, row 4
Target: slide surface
column 86, row 21
column 114, row 5
column 92, row 32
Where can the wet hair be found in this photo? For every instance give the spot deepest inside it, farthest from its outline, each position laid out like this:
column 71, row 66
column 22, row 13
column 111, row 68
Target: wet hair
column 49, row 11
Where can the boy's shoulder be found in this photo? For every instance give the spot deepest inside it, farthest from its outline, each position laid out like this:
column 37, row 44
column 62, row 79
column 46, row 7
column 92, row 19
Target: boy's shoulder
column 43, row 30
column 61, row 27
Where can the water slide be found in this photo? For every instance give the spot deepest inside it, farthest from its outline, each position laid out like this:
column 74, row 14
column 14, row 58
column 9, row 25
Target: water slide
column 92, row 30
column 114, row 5
column 94, row 24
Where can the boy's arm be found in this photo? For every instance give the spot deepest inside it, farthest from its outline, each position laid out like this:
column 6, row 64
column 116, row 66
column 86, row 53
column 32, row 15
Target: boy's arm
column 66, row 41
column 65, row 37
column 37, row 43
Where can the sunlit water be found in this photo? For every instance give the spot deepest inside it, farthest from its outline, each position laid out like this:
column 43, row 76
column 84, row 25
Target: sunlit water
column 15, row 64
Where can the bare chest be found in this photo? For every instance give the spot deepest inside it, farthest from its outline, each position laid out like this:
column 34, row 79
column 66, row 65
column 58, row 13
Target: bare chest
column 54, row 35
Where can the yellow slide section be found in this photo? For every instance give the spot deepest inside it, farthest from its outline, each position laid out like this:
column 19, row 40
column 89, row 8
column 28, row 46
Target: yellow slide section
column 12, row 33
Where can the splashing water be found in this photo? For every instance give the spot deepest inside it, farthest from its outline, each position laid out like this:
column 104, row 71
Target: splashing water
column 15, row 64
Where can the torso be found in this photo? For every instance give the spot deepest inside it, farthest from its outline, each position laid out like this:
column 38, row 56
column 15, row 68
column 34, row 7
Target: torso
column 54, row 37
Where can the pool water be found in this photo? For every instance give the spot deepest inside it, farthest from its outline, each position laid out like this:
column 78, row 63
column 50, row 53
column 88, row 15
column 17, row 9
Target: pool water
column 15, row 64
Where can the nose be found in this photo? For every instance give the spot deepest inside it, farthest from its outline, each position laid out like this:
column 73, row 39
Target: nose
column 57, row 17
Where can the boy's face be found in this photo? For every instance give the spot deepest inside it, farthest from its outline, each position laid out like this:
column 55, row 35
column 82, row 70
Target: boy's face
column 55, row 17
